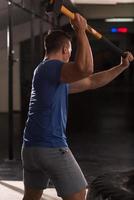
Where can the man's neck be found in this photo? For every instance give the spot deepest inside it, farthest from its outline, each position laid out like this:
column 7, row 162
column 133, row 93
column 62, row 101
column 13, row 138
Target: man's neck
column 56, row 56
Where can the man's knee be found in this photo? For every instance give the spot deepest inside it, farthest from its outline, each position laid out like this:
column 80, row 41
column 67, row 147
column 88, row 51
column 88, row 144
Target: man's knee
column 88, row 194
column 32, row 194
column 77, row 196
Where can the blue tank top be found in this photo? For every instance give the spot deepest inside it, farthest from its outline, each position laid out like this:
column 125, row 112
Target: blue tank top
column 47, row 116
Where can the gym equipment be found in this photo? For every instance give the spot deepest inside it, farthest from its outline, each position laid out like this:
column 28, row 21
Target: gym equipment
column 113, row 186
column 57, row 6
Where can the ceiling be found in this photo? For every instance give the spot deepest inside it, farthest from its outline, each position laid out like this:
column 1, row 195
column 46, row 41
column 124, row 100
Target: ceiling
column 102, row 1
column 90, row 11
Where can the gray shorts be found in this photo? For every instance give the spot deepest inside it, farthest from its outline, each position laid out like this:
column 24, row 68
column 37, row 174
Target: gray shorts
column 58, row 164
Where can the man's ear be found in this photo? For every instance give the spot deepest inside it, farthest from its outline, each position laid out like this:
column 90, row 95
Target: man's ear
column 64, row 49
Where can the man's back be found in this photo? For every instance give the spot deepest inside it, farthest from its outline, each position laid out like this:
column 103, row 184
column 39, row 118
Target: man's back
column 47, row 116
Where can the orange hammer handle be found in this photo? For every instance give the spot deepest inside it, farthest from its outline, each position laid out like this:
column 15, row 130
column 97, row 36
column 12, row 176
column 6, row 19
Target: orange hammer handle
column 114, row 48
column 71, row 15
column 67, row 12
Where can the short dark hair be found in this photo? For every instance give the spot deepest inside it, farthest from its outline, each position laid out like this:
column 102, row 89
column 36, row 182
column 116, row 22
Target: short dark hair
column 55, row 40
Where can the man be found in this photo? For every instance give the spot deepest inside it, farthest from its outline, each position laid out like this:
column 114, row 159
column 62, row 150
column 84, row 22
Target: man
column 45, row 152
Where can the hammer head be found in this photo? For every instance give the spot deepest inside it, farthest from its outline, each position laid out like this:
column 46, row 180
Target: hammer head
column 54, row 6
column 49, row 6
column 57, row 6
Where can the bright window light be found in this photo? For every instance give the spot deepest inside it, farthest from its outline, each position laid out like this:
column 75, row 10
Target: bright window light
column 119, row 20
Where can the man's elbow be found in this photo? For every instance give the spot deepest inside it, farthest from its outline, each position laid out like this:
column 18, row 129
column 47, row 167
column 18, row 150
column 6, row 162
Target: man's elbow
column 86, row 68
column 89, row 69
column 90, row 65
column 86, row 71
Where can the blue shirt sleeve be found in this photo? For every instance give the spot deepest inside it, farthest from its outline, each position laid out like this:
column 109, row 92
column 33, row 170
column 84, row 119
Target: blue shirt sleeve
column 53, row 70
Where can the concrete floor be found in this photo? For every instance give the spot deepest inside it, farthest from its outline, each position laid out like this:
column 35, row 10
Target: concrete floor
column 13, row 190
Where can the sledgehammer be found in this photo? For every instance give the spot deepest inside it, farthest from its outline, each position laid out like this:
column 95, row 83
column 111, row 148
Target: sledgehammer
column 58, row 7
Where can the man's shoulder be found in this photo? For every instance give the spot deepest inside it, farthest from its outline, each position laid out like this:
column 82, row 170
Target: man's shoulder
column 52, row 65
column 53, row 61
column 49, row 63
column 49, row 69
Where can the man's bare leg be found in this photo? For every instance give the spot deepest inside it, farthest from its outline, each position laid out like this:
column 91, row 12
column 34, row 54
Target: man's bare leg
column 32, row 194
column 77, row 196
